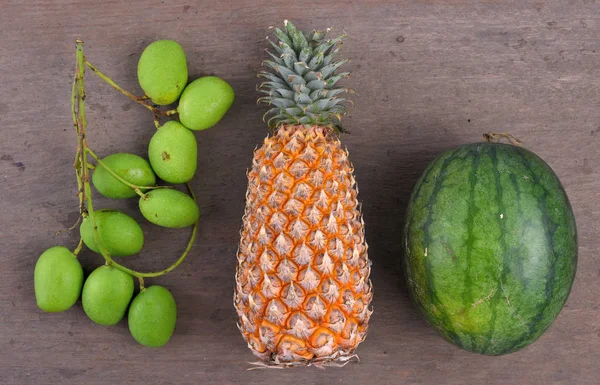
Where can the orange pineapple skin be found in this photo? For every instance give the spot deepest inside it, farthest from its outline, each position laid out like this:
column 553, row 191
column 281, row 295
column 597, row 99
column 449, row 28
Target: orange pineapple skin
column 302, row 282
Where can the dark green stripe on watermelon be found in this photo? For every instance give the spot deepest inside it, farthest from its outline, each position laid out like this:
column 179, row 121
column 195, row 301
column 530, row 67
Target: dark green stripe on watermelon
column 490, row 247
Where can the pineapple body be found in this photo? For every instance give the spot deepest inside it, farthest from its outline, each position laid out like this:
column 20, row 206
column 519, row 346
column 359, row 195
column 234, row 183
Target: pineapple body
column 302, row 282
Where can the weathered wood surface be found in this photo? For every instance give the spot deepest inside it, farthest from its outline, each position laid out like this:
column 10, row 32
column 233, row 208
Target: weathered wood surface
column 429, row 74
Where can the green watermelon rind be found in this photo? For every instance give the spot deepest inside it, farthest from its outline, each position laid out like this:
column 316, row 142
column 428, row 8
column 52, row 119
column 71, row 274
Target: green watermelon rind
column 490, row 247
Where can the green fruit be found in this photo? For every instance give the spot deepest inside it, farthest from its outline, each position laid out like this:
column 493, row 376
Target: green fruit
column 106, row 295
column 490, row 247
column 173, row 153
column 121, row 235
column 204, row 102
column 169, row 208
column 58, row 277
column 162, row 71
column 134, row 169
column 152, row 316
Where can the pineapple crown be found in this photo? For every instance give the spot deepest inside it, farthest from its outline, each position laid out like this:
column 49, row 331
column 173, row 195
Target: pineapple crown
column 301, row 83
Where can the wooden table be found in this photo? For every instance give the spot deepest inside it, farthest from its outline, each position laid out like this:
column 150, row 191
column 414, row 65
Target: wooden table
column 430, row 74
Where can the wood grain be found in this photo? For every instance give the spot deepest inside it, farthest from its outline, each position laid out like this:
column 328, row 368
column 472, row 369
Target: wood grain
column 429, row 74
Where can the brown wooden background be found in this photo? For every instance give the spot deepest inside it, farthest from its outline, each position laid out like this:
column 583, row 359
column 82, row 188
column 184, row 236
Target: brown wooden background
column 429, row 74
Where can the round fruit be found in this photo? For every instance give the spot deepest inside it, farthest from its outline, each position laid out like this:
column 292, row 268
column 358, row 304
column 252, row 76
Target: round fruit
column 134, row 169
column 173, row 153
column 106, row 295
column 169, row 208
column 152, row 316
column 204, row 102
column 162, row 71
column 490, row 247
column 121, row 235
column 57, row 277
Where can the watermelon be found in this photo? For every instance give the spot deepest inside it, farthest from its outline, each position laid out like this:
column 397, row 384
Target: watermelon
column 490, row 247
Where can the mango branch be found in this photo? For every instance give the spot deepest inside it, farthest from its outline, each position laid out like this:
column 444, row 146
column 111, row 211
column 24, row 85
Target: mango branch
column 141, row 100
column 141, row 275
column 82, row 145
column 83, row 167
column 77, row 162
column 135, row 187
column 137, row 99
column 79, row 247
column 142, row 285
column 74, row 101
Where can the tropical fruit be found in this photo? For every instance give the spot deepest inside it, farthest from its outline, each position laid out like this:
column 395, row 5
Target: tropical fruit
column 152, row 316
column 302, row 284
column 162, row 71
column 134, row 169
column 106, row 295
column 490, row 247
column 173, row 153
column 169, row 208
column 107, row 292
column 121, row 235
column 58, row 277
column 204, row 102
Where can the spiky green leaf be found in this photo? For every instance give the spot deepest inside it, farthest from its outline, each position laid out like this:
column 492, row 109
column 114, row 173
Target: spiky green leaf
column 301, row 84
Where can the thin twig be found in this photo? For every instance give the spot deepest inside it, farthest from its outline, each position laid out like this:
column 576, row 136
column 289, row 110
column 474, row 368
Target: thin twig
column 137, row 99
column 81, row 130
column 70, row 228
column 74, row 100
column 174, row 265
column 79, row 247
column 119, row 178
column 141, row 100
column 77, row 163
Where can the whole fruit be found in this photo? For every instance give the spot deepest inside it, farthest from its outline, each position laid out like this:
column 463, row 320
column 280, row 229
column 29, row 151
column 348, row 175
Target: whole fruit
column 169, row 208
column 173, row 153
column 106, row 295
column 204, row 102
column 490, row 247
column 162, row 71
column 134, row 169
column 57, row 277
column 121, row 235
column 152, row 316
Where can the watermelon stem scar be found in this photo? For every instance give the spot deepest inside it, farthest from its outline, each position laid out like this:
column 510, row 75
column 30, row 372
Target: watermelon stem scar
column 498, row 136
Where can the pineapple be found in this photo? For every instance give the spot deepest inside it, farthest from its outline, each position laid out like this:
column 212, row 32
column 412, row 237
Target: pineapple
column 302, row 283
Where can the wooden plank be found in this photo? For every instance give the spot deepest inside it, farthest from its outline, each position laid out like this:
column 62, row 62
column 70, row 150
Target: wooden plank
column 429, row 74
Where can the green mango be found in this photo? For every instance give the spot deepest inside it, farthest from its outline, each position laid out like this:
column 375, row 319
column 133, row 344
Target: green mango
column 152, row 316
column 134, row 169
column 162, row 71
column 169, row 208
column 58, row 278
column 173, row 153
column 121, row 235
column 204, row 102
column 106, row 295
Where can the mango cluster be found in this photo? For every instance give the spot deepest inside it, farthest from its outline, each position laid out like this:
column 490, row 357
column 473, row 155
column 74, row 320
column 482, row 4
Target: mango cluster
column 172, row 157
